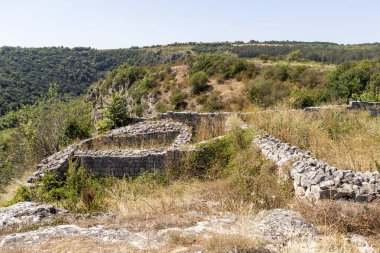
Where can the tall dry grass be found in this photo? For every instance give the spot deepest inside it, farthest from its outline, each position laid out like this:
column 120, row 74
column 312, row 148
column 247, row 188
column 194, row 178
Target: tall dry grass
column 209, row 128
column 345, row 139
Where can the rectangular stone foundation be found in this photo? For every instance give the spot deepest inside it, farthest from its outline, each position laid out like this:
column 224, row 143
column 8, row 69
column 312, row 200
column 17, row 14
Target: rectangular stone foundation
column 129, row 166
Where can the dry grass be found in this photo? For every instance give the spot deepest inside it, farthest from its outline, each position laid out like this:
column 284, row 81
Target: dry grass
column 209, row 128
column 179, row 198
column 334, row 243
column 74, row 244
column 345, row 139
column 12, row 187
column 343, row 216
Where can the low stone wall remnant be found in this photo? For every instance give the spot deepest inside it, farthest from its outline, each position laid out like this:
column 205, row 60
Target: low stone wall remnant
column 315, row 179
column 372, row 107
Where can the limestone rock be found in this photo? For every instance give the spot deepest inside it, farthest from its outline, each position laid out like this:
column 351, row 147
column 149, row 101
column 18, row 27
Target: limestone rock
column 27, row 213
column 281, row 225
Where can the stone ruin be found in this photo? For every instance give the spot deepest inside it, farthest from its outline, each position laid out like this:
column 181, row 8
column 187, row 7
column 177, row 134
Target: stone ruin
column 315, row 179
column 157, row 143
column 123, row 152
column 372, row 107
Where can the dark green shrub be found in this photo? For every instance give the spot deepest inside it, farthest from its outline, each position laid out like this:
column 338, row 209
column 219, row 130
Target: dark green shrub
column 75, row 130
column 302, row 100
column 198, row 81
column 267, row 93
column 213, row 64
column 138, row 110
column 79, row 191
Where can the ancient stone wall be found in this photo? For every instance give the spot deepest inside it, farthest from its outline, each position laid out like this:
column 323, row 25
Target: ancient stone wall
column 194, row 119
column 372, row 107
column 121, row 152
column 121, row 163
column 314, row 178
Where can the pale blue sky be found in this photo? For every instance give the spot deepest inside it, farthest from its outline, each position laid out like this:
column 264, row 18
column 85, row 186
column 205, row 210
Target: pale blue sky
column 119, row 24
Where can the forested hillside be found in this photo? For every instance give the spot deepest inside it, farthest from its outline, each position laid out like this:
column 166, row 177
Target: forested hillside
column 27, row 73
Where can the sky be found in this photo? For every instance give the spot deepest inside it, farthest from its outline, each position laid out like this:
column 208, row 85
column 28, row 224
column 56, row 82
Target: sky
column 108, row 24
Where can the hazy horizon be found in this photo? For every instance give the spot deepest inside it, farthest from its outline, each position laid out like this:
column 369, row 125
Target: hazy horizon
column 121, row 24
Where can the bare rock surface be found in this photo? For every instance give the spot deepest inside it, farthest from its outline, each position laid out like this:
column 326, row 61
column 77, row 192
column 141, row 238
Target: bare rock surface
column 27, row 213
column 276, row 226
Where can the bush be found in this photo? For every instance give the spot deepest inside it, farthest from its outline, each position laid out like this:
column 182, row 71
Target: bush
column 75, row 130
column 177, row 99
column 257, row 181
column 267, row 93
column 138, row 110
column 117, row 111
column 160, row 107
column 80, row 191
column 198, row 81
column 302, row 100
column 213, row 103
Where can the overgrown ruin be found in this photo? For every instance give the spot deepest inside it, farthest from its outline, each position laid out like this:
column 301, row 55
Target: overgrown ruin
column 156, row 143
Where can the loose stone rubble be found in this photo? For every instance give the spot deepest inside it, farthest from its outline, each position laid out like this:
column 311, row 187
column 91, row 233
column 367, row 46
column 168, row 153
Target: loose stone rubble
column 315, row 179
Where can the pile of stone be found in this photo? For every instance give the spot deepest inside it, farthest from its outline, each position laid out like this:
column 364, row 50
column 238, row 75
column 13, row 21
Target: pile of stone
column 315, row 179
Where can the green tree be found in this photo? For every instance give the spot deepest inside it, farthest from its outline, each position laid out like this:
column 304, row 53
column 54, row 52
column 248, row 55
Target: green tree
column 117, row 111
column 198, row 81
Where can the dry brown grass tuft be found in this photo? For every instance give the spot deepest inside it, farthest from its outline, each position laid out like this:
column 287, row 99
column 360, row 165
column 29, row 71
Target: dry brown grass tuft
column 343, row 216
column 143, row 201
column 209, row 128
column 345, row 139
column 333, row 243
column 233, row 243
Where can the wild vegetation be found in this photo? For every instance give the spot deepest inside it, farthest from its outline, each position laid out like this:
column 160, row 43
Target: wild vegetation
column 41, row 130
column 224, row 174
column 347, row 140
column 27, row 73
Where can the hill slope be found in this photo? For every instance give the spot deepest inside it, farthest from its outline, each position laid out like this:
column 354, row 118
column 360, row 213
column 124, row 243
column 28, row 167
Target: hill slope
column 27, row 73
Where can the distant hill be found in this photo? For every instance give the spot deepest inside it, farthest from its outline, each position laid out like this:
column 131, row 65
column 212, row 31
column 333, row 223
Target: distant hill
column 27, row 73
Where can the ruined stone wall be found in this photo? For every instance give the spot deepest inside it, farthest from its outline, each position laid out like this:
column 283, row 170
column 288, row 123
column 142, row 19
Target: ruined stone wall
column 121, row 163
column 372, row 107
column 121, row 152
column 193, row 119
column 314, row 178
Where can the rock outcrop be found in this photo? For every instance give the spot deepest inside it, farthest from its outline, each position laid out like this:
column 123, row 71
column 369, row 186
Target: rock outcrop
column 28, row 213
column 276, row 227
